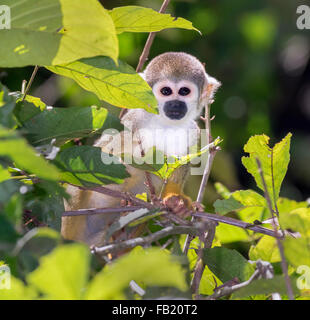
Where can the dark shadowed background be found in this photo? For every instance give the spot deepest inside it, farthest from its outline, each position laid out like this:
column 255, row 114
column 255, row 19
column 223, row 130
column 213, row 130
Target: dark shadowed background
column 263, row 61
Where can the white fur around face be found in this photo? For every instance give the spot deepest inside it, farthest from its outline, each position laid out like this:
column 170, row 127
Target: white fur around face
column 191, row 100
column 173, row 137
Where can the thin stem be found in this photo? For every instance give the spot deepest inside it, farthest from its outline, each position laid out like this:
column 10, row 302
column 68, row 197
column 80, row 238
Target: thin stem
column 279, row 243
column 228, row 290
column 83, row 212
column 34, row 72
column 146, row 241
column 238, row 223
column 149, row 41
column 118, row 194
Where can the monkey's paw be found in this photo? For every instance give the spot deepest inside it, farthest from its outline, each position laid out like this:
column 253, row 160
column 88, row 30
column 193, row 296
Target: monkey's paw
column 181, row 205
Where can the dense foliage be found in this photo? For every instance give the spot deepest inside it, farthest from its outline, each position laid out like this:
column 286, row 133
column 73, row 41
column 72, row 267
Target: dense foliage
column 43, row 147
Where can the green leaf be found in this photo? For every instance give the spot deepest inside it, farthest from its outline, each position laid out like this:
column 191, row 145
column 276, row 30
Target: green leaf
column 227, row 205
column 140, row 19
column 24, row 156
column 227, row 234
column 148, row 162
column 84, row 165
column 227, row 264
column 119, row 85
column 49, row 202
column 52, row 32
column 287, row 205
column 238, row 200
column 7, row 105
column 266, row 249
column 7, row 189
column 266, row 286
column 153, row 266
column 63, row 273
column 14, row 208
column 18, row 291
column 28, row 108
column 172, row 163
column 222, row 190
column 7, row 231
column 297, row 251
column 4, row 174
column 274, row 162
column 64, row 124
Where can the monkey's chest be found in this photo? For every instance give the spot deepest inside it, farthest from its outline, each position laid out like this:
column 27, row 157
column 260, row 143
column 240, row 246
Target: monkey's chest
column 170, row 141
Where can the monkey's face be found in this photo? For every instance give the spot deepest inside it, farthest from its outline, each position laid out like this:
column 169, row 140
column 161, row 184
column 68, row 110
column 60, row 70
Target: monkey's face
column 177, row 101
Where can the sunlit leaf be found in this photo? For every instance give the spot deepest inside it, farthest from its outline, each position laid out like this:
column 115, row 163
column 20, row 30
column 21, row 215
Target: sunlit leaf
column 119, row 85
column 28, row 108
column 297, row 251
column 266, row 249
column 24, row 156
column 140, row 19
column 51, row 32
column 240, row 200
column 274, row 162
column 227, row 233
column 153, row 266
column 63, row 273
column 18, row 291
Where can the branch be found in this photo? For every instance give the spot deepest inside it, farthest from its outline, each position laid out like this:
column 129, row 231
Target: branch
column 146, row 241
column 83, row 212
column 206, row 239
column 150, row 40
column 34, row 72
column 227, row 290
column 118, row 194
column 238, row 223
column 207, row 169
column 279, row 243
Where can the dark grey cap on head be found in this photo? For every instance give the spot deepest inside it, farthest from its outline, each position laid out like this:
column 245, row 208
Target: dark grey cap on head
column 175, row 66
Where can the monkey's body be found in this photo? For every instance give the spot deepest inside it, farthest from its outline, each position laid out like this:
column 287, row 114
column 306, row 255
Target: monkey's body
column 189, row 90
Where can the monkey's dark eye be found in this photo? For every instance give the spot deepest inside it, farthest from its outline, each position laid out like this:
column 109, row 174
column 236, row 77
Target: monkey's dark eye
column 184, row 91
column 166, row 91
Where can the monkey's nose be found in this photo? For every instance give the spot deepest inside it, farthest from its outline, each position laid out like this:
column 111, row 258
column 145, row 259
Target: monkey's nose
column 175, row 109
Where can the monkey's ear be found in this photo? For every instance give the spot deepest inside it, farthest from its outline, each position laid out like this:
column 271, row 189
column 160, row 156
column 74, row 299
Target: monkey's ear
column 210, row 88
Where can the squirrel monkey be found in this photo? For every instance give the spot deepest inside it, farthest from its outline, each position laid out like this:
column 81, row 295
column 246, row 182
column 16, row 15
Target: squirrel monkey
column 182, row 88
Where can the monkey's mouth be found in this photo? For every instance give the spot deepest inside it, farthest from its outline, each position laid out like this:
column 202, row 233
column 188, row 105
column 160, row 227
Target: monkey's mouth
column 175, row 109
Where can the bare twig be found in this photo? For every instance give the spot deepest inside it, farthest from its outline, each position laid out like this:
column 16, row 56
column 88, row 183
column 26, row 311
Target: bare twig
column 118, row 194
column 208, row 237
column 27, row 215
column 149, row 41
column 34, row 72
column 227, row 290
column 146, row 241
column 279, row 243
column 211, row 154
column 83, row 212
column 207, row 240
column 238, row 223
